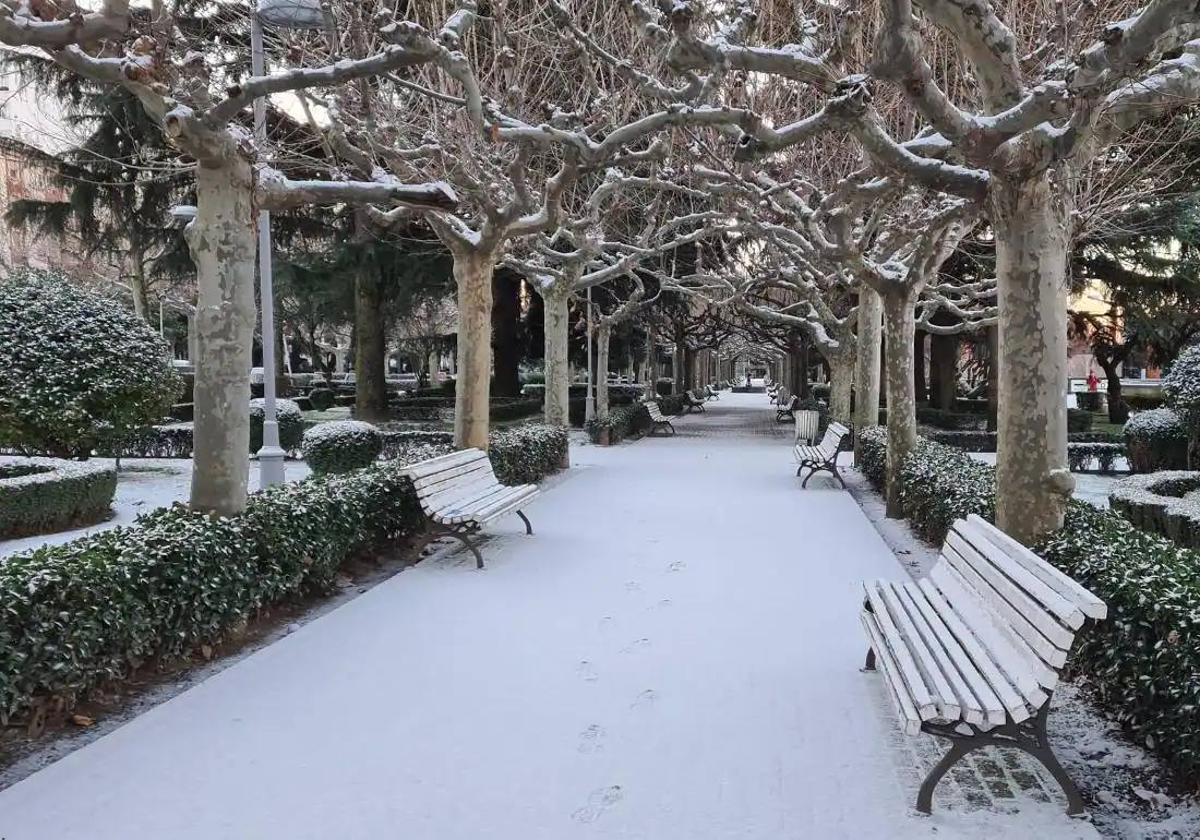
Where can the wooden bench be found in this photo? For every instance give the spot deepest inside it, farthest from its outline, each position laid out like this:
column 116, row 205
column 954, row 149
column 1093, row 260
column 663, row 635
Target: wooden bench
column 808, row 422
column 460, row 494
column 973, row 652
column 786, row 409
column 823, row 456
column 692, row 402
column 657, row 419
column 712, row 392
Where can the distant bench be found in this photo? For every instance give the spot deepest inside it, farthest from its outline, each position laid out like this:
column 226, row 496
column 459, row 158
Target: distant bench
column 460, row 493
column 823, row 456
column 973, row 652
column 657, row 419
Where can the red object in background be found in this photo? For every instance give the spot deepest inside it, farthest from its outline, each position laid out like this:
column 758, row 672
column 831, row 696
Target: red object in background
column 1093, row 381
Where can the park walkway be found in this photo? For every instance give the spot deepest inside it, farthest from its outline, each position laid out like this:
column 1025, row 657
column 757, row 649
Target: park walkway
column 672, row 656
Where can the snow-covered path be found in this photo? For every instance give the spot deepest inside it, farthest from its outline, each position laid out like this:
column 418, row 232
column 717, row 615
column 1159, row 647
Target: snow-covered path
column 672, row 656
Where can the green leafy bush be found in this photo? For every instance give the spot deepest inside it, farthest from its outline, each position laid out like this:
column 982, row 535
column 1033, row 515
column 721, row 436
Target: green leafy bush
column 75, row 367
column 527, row 454
column 1143, row 660
column 623, row 421
column 1078, row 420
column 287, row 415
column 986, row 441
column 1157, row 440
column 321, row 399
column 1164, row 503
column 950, row 420
column 341, row 446
column 40, row 495
column 89, row 611
column 1081, row 455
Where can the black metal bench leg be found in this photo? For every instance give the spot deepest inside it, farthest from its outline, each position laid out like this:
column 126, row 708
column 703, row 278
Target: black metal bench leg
column 870, row 666
column 461, row 535
column 1044, row 754
column 837, row 475
column 957, row 750
column 811, row 472
column 525, row 519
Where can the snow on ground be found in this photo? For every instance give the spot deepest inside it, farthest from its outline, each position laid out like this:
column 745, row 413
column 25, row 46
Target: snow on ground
column 143, row 484
column 673, row 654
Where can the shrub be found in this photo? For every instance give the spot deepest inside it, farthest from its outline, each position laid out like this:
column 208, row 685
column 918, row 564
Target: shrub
column 822, row 392
column 1156, row 440
column 89, row 611
column 341, row 446
column 321, row 399
column 287, row 415
column 622, row 422
column 526, row 454
column 1143, row 402
column 1079, row 420
column 75, row 367
column 1163, row 503
column 1090, row 401
column 951, row 420
column 1081, row 455
column 38, row 495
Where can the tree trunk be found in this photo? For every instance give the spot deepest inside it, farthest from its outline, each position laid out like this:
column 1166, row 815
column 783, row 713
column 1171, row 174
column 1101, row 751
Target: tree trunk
column 899, row 329
column 222, row 241
column 557, row 315
column 370, row 348
column 1116, row 407
column 603, row 340
column 506, row 332
column 841, row 382
column 993, row 378
column 944, row 371
column 679, row 368
column 137, row 288
column 866, row 372
column 1033, row 483
column 920, row 383
column 473, row 274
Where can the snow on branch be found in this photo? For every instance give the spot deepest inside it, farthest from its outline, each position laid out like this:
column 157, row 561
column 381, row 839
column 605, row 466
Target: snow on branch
column 275, row 192
column 21, row 28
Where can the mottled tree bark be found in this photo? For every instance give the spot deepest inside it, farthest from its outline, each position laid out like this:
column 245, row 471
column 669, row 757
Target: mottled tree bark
column 557, row 320
column 222, row 240
column 841, row 367
column 370, row 346
column 603, row 342
column 993, row 378
column 866, row 372
column 899, row 321
column 1033, row 483
column 506, row 332
column 473, row 274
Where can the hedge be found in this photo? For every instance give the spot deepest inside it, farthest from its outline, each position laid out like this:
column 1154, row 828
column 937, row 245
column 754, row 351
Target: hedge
column 950, row 420
column 1081, row 455
column 1157, row 440
column 1159, row 502
column 622, row 422
column 90, row 611
column 986, row 441
column 1143, row 660
column 289, row 418
column 341, row 446
column 40, row 495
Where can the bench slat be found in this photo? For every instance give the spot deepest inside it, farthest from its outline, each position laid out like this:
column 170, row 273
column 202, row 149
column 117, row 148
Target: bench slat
column 1009, row 699
column 1063, row 609
column 452, row 506
column 1045, row 635
column 979, row 703
column 1010, row 655
column 456, row 493
column 1089, row 604
column 514, row 502
column 480, row 509
column 442, row 462
column 906, row 711
column 926, row 659
column 907, row 668
column 432, row 480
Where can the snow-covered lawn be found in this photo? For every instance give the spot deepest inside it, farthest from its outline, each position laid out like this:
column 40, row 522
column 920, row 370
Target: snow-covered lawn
column 673, row 655
column 143, row 484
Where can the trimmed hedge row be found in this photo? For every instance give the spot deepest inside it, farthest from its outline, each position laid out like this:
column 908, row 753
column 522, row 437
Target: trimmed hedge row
column 89, row 611
column 341, row 446
column 40, row 495
column 1162, row 503
column 1144, row 659
column 1157, row 440
column 1081, row 455
column 623, row 421
column 986, row 441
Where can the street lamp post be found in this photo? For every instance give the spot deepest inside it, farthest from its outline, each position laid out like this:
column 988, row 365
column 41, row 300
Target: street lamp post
column 284, row 14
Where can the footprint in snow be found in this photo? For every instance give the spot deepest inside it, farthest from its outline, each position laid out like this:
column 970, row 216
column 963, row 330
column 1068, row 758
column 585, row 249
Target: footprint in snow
column 591, row 740
column 586, row 671
column 647, row 698
column 676, row 566
column 665, row 602
column 599, row 801
column 632, row 586
column 636, row 645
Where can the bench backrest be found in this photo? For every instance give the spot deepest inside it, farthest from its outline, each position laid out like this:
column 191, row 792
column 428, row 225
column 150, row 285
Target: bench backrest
column 437, row 480
column 654, row 411
column 1021, row 609
column 833, row 437
column 807, row 423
